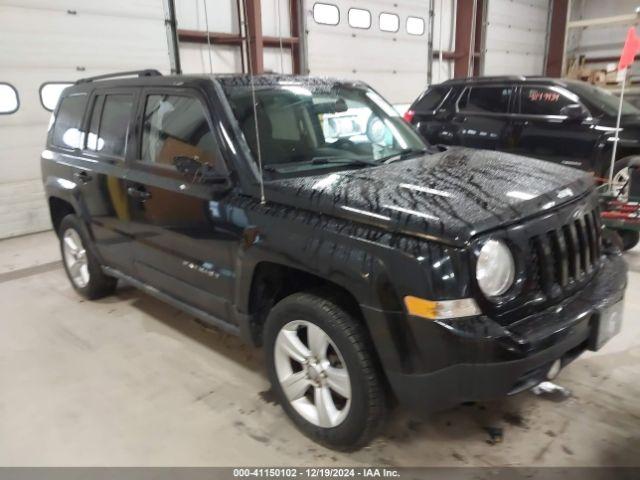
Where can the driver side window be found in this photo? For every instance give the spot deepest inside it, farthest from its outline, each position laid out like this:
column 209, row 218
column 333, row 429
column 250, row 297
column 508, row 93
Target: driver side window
column 175, row 126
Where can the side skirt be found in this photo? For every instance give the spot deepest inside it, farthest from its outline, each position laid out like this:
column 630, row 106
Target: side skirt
column 174, row 302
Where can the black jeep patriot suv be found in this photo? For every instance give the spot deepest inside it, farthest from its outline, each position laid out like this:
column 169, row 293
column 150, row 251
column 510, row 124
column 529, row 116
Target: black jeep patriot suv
column 367, row 266
column 563, row 121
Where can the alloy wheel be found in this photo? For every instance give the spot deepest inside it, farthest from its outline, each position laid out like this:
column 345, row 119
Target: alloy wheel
column 312, row 374
column 75, row 258
column 621, row 183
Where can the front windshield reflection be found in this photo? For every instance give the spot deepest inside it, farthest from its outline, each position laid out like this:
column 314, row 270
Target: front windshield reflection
column 303, row 127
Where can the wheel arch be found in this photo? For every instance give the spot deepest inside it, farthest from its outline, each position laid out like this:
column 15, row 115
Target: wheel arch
column 272, row 281
column 58, row 209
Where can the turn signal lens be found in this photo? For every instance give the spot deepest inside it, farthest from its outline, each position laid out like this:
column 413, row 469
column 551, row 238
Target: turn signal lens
column 440, row 310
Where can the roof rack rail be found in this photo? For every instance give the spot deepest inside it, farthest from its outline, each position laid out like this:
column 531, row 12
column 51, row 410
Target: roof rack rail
column 139, row 73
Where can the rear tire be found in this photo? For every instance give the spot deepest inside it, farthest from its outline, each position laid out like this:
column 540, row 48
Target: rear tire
column 322, row 356
column 82, row 267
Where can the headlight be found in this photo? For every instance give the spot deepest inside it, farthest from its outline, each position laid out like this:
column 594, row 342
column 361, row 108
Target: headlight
column 495, row 269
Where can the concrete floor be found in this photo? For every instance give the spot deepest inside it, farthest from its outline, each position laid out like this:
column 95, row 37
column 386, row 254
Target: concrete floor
column 130, row 381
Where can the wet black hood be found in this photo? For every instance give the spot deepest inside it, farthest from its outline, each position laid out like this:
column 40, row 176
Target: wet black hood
column 450, row 196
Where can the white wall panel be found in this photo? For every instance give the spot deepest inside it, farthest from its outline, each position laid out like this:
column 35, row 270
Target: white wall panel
column 515, row 37
column 224, row 58
column 270, row 18
column 222, row 15
column 273, row 62
column 393, row 63
column 51, row 40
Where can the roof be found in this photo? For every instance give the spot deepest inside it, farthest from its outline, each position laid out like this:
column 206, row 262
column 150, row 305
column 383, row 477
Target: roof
column 227, row 81
column 505, row 79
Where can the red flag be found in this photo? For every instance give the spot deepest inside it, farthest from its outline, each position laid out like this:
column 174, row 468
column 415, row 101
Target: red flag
column 631, row 48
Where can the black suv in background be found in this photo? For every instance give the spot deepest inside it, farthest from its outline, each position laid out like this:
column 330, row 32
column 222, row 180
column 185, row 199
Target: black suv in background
column 365, row 265
column 563, row 121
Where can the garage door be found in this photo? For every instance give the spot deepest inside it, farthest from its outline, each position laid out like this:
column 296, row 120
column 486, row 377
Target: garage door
column 516, row 36
column 44, row 41
column 382, row 43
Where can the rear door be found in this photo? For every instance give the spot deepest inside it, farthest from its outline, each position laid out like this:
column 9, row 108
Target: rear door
column 91, row 142
column 542, row 130
column 185, row 240
column 482, row 117
column 107, row 142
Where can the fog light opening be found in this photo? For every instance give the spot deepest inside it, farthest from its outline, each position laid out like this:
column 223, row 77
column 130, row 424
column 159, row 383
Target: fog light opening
column 554, row 370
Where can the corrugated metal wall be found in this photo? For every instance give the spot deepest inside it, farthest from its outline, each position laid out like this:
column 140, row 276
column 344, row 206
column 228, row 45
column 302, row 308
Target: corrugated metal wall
column 516, row 37
column 395, row 63
column 44, row 40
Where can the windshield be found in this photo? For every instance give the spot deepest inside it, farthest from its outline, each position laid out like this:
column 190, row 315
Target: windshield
column 324, row 125
column 602, row 99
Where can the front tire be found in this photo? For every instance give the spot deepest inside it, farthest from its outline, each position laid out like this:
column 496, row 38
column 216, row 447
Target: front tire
column 82, row 267
column 323, row 371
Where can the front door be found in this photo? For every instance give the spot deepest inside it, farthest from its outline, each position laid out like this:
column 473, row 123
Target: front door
column 482, row 118
column 542, row 130
column 185, row 241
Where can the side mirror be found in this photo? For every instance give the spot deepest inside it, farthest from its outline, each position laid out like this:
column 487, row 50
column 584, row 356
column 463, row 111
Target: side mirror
column 574, row 112
column 197, row 171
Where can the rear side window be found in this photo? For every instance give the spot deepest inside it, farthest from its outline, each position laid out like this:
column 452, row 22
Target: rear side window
column 109, row 126
column 432, row 99
column 68, row 120
column 177, row 126
column 485, row 100
column 544, row 101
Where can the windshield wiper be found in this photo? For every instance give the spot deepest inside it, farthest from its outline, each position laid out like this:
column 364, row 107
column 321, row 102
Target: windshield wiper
column 402, row 155
column 342, row 160
column 332, row 160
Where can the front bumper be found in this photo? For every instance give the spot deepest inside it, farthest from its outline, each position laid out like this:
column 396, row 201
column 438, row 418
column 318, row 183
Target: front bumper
column 441, row 364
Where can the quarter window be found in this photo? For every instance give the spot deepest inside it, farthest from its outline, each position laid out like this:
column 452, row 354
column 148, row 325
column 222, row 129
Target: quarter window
column 415, row 26
column 50, row 94
column 544, row 101
column 485, row 100
column 326, row 14
column 432, row 99
column 67, row 122
column 359, row 18
column 177, row 126
column 9, row 101
column 389, row 22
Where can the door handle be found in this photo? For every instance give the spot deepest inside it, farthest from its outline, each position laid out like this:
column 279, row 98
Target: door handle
column 459, row 119
column 82, row 176
column 138, row 192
